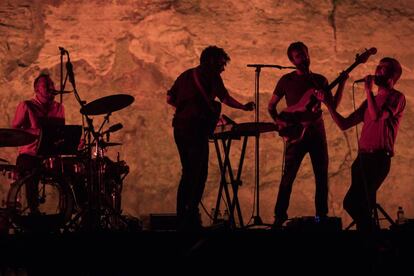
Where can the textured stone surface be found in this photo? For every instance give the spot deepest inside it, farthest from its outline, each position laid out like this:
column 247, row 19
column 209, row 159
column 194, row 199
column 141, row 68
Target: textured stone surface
column 139, row 47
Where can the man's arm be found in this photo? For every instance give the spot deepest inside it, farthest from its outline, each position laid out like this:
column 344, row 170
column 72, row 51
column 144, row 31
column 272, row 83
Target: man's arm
column 271, row 107
column 232, row 102
column 393, row 108
column 339, row 91
column 170, row 101
column 373, row 110
column 226, row 98
column 343, row 123
column 20, row 115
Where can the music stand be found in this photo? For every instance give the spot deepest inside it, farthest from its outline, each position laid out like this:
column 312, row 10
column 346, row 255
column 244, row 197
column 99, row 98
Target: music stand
column 59, row 140
column 257, row 220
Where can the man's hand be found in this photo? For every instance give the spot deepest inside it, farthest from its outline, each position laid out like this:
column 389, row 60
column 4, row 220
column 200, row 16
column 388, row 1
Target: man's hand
column 280, row 123
column 323, row 96
column 249, row 106
column 369, row 82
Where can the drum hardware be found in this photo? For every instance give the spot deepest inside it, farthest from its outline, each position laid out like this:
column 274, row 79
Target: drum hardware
column 55, row 204
column 4, row 160
column 85, row 184
column 97, row 213
column 11, row 137
column 107, row 105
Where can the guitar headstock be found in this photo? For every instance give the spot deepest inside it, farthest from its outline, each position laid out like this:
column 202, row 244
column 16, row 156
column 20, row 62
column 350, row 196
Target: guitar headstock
column 362, row 58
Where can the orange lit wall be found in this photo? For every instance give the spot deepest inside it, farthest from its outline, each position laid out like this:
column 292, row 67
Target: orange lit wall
column 140, row 47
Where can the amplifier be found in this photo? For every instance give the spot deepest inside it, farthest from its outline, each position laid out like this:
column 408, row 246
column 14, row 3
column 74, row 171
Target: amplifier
column 315, row 224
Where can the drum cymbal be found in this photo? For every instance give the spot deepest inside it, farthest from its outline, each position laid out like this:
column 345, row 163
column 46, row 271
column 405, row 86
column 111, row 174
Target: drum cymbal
column 12, row 137
column 107, row 104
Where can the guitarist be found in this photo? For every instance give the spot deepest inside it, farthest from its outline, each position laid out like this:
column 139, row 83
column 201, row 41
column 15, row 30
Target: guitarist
column 192, row 95
column 381, row 115
column 293, row 86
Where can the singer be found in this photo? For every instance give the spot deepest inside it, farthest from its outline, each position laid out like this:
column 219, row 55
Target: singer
column 31, row 115
column 381, row 115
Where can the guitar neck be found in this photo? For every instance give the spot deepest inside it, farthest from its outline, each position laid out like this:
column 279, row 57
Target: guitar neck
column 339, row 78
column 313, row 101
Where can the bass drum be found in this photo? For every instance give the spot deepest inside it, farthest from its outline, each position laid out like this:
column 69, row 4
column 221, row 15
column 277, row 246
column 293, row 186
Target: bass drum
column 55, row 205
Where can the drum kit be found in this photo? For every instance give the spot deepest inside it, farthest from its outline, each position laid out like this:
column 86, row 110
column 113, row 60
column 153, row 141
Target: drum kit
column 79, row 188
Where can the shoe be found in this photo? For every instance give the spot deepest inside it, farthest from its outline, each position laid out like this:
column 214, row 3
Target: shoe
column 278, row 223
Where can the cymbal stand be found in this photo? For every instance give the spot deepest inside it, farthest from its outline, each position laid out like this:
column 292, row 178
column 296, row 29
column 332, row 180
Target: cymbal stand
column 257, row 220
column 106, row 120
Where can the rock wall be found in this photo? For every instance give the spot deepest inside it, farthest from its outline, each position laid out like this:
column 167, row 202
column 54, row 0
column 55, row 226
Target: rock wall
column 140, row 47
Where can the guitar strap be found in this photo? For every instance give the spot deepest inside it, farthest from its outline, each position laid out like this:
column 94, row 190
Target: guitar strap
column 201, row 89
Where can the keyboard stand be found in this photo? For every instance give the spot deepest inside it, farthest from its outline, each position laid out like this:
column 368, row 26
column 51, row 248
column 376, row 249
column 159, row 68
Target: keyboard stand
column 225, row 135
column 226, row 172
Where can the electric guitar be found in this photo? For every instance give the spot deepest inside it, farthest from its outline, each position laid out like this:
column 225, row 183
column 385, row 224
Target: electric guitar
column 299, row 116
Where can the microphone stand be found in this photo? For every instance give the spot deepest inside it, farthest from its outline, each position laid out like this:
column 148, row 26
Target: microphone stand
column 93, row 188
column 257, row 220
column 62, row 82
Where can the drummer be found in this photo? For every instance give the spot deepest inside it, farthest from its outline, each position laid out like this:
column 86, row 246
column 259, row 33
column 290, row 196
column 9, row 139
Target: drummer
column 31, row 115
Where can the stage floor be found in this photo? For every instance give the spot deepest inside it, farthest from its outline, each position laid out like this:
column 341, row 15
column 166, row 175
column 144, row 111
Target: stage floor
column 255, row 250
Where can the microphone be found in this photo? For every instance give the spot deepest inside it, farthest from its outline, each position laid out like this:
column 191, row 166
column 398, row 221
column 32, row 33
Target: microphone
column 363, row 80
column 62, row 50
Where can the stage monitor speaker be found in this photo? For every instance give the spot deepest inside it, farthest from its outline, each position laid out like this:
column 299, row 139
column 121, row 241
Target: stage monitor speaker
column 315, row 224
column 163, row 222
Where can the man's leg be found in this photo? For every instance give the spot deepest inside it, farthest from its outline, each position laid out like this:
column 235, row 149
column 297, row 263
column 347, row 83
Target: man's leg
column 27, row 164
column 368, row 173
column 318, row 151
column 194, row 152
column 181, row 140
column 293, row 157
